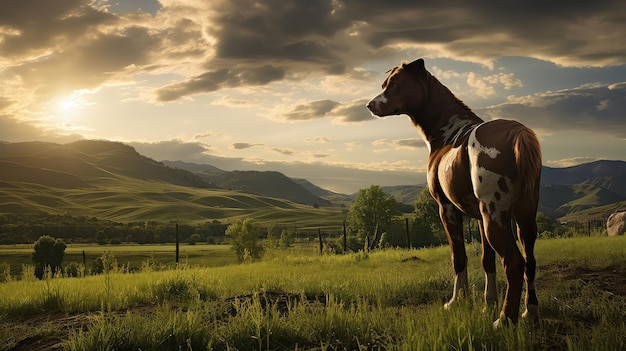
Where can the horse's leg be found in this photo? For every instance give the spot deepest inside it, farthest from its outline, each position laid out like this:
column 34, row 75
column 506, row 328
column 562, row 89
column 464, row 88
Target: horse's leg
column 500, row 236
column 489, row 266
column 452, row 221
column 527, row 233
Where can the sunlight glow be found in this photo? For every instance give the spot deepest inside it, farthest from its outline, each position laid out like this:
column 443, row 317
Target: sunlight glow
column 75, row 101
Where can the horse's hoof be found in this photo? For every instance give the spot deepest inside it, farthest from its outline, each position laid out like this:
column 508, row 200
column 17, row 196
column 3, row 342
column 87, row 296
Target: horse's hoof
column 501, row 322
column 531, row 315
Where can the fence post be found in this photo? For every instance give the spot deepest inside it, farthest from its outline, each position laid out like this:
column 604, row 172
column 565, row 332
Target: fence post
column 177, row 243
column 345, row 240
column 408, row 237
column 319, row 236
column 84, row 260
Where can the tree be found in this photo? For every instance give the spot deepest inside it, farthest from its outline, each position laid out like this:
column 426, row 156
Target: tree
column 371, row 212
column 101, row 238
column 246, row 236
column 427, row 224
column 546, row 226
column 48, row 253
column 194, row 238
column 287, row 238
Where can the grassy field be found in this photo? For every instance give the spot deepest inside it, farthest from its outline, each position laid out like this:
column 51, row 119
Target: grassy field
column 130, row 256
column 298, row 300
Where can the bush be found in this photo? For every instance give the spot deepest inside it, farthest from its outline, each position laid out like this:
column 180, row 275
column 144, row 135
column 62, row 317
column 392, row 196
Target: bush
column 48, row 254
column 245, row 234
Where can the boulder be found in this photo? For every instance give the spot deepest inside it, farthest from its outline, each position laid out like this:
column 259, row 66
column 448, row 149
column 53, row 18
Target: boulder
column 616, row 224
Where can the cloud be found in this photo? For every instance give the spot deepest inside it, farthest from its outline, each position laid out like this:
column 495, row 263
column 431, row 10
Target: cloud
column 242, row 146
column 597, row 108
column 75, row 44
column 341, row 113
column 569, row 162
column 580, row 33
column 407, row 144
column 351, row 112
column 310, row 110
column 285, row 152
column 319, row 139
column 172, row 150
column 213, row 80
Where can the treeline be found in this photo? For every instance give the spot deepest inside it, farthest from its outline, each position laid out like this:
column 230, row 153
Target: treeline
column 27, row 228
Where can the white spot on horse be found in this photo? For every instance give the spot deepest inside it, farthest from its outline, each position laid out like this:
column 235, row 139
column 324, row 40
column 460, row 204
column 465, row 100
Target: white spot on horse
column 474, row 146
column 487, row 190
column 454, row 128
column 485, row 183
column 460, row 284
column 380, row 99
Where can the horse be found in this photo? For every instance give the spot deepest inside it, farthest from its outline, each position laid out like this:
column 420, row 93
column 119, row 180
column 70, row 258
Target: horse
column 488, row 170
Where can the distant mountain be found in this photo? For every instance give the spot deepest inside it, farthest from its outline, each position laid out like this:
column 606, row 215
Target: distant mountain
column 83, row 164
column 112, row 181
column 404, row 194
column 269, row 183
column 616, row 184
column 581, row 173
column 565, row 191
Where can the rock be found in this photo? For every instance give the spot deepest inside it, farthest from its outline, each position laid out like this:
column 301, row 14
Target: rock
column 616, row 224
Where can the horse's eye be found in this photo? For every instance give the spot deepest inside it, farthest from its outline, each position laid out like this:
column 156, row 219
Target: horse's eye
column 393, row 85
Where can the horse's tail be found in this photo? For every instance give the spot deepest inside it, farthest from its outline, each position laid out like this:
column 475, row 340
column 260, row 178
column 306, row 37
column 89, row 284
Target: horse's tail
column 528, row 159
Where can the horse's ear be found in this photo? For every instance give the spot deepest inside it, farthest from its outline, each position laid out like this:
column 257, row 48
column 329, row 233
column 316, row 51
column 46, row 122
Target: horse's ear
column 417, row 65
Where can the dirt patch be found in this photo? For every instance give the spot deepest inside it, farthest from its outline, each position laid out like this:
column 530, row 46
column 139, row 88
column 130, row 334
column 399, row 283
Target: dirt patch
column 54, row 328
column 611, row 279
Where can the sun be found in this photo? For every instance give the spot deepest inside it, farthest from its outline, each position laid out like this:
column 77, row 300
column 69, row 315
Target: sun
column 72, row 103
column 69, row 104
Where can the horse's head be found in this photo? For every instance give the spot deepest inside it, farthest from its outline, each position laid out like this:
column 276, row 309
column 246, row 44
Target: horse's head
column 403, row 90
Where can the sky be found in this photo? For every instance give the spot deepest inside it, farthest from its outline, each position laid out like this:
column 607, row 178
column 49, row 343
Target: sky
column 282, row 85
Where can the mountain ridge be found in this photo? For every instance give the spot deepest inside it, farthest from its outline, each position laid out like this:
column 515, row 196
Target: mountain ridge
column 97, row 165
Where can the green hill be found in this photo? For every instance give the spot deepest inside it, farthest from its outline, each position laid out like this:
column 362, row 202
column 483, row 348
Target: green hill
column 112, row 181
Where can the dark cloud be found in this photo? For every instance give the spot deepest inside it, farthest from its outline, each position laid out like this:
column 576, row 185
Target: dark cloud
column 351, row 112
column 241, row 146
column 276, row 30
column 285, row 152
column 310, row 110
column 595, row 108
column 222, row 78
column 35, row 26
column 410, row 143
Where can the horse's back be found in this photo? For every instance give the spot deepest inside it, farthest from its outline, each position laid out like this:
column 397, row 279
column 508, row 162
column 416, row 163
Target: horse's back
column 505, row 160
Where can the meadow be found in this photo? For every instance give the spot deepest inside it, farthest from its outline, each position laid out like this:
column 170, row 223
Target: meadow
column 299, row 300
column 129, row 257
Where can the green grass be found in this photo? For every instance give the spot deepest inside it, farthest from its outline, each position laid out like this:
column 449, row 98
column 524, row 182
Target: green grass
column 130, row 256
column 296, row 299
column 128, row 200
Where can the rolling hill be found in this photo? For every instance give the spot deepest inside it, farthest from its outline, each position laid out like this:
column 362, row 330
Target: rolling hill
column 110, row 180
column 273, row 184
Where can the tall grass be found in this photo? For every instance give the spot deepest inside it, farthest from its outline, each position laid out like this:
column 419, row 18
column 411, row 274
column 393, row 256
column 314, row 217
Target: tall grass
column 388, row 300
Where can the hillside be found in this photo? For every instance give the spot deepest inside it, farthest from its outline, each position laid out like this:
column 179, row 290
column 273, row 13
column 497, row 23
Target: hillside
column 112, row 181
column 581, row 173
column 273, row 184
column 85, row 163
